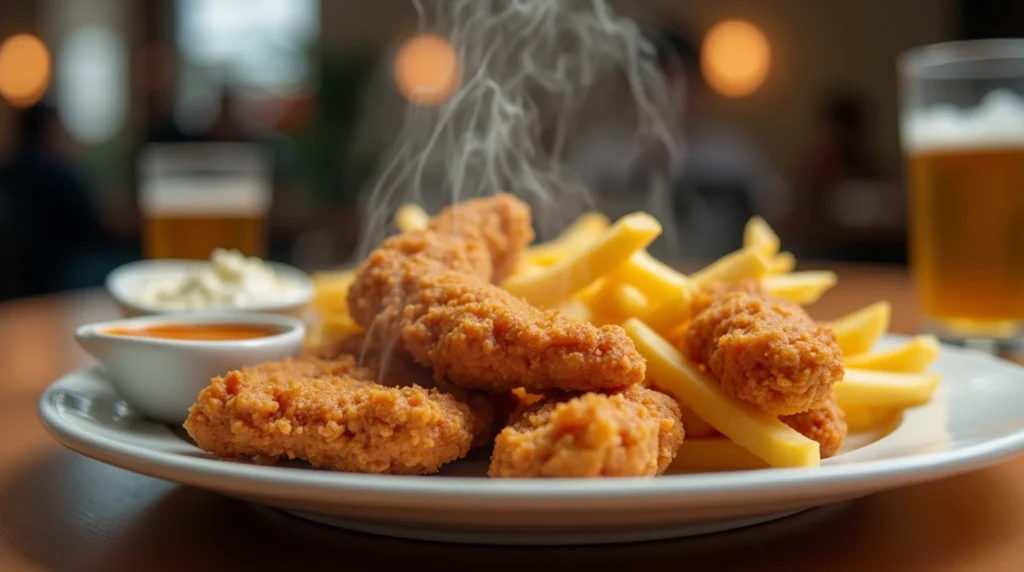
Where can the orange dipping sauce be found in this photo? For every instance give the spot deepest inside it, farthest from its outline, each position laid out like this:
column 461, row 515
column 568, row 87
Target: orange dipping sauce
column 199, row 332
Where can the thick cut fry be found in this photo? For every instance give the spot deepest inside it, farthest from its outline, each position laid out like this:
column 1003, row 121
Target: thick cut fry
column 330, row 291
column 801, row 287
column 657, row 280
column 759, row 234
column 911, row 357
column 746, row 263
column 587, row 228
column 558, row 282
column 411, row 216
column 783, row 263
column 756, row 431
column 864, row 388
column 858, row 331
column 863, row 419
column 714, row 454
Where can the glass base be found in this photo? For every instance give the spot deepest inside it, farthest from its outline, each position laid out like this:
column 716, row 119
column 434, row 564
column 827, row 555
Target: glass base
column 1003, row 338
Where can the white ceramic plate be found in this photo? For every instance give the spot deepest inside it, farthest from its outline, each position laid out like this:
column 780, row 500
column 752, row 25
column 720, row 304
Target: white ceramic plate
column 976, row 419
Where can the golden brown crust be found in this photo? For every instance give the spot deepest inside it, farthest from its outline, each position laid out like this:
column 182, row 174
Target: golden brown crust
column 635, row 432
column 768, row 353
column 501, row 223
column 428, row 293
column 825, row 424
column 336, row 415
column 482, row 337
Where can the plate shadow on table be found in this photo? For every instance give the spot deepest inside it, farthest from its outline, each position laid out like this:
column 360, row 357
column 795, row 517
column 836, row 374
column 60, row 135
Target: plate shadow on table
column 67, row 512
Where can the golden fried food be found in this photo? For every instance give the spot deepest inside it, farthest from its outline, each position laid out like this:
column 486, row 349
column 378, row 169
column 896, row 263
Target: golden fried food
column 337, row 415
column 635, row 432
column 482, row 337
column 429, row 294
column 825, row 424
column 764, row 352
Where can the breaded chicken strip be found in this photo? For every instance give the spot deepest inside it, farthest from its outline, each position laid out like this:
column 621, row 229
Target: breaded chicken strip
column 501, row 223
column 825, row 424
column 482, row 337
column 335, row 415
column 429, row 293
column 635, row 432
column 768, row 353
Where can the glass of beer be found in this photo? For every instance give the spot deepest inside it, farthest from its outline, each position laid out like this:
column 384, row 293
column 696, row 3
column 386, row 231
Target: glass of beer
column 962, row 131
column 196, row 197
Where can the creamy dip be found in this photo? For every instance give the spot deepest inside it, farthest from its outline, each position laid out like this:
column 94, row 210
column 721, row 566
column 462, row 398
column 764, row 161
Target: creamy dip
column 228, row 280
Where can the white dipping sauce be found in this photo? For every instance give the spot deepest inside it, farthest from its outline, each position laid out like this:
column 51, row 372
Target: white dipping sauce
column 229, row 280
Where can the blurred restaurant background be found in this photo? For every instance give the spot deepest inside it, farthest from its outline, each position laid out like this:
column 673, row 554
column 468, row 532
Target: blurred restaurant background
column 793, row 107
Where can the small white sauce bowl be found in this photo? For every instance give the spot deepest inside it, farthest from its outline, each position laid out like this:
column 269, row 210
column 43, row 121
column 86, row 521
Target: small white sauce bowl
column 125, row 282
column 163, row 377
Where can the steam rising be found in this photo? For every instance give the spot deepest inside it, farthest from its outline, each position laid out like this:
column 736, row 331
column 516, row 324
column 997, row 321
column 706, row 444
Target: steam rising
column 526, row 66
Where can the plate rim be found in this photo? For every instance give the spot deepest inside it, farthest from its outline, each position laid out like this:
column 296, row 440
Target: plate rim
column 423, row 491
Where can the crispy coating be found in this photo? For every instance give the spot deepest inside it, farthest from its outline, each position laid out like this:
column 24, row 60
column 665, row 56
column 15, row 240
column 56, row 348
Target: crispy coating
column 632, row 433
column 483, row 337
column 825, row 424
column 429, row 293
column 768, row 353
column 336, row 415
column 501, row 223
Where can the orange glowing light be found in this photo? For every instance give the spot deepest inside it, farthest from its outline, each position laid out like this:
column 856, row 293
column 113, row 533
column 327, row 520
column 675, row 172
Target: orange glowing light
column 427, row 69
column 24, row 69
column 735, row 58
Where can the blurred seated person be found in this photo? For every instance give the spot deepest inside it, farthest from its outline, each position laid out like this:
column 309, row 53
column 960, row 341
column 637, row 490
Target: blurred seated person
column 725, row 177
column 48, row 215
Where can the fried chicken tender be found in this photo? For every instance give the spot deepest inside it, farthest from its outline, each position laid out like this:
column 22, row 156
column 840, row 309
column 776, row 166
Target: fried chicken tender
column 430, row 294
column 336, row 415
column 825, row 424
column 769, row 353
column 482, row 337
column 635, row 432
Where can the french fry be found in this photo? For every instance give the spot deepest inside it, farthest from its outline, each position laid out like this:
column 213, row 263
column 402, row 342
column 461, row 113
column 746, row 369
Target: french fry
column 714, row 454
column 758, row 234
column 746, row 263
column 587, row 228
column 330, row 291
column 655, row 279
column 739, row 265
column 912, row 357
column 865, row 388
column 783, row 263
column 411, row 216
column 861, row 419
column 746, row 425
column 801, row 287
column 577, row 310
column 858, row 331
column 569, row 275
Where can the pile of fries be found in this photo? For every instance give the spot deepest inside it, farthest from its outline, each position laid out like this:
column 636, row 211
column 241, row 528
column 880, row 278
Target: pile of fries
column 601, row 272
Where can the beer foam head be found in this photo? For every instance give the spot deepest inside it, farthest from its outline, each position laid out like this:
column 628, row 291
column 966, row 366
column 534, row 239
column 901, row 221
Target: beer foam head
column 996, row 122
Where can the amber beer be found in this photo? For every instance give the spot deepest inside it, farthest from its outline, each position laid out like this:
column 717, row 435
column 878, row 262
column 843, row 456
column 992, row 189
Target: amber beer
column 967, row 234
column 197, row 197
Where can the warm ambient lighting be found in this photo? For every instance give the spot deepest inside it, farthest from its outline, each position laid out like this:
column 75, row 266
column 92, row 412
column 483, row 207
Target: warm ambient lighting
column 427, row 69
column 24, row 69
column 735, row 58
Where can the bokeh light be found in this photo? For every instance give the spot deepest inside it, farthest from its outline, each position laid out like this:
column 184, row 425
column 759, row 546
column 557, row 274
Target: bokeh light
column 735, row 58
column 24, row 69
column 427, row 69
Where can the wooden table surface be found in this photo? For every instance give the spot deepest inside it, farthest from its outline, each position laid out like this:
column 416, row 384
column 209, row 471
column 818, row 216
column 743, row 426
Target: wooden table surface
column 62, row 511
